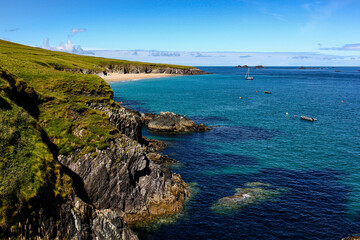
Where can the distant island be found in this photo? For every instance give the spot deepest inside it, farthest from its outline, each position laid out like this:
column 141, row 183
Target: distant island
column 246, row 66
column 302, row 67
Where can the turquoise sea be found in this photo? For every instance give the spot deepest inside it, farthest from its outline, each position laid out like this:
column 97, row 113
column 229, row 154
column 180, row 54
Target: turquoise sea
column 316, row 164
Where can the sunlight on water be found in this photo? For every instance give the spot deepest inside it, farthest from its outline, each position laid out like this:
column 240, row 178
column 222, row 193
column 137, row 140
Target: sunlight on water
column 254, row 140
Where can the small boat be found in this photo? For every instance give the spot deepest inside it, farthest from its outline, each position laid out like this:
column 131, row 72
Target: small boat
column 268, row 92
column 308, row 118
column 247, row 75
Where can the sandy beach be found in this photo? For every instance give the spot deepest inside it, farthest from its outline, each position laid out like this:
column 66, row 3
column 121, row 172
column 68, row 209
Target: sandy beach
column 118, row 77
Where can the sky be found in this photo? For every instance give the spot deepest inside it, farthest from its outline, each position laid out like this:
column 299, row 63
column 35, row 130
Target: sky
column 192, row 32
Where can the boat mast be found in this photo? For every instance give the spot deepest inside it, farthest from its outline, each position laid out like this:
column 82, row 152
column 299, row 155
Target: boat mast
column 248, row 73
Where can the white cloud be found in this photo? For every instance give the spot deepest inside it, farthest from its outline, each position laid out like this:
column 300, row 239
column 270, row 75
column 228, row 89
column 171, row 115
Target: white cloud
column 75, row 31
column 232, row 58
column 67, row 47
column 301, row 57
column 346, row 47
column 46, row 44
column 156, row 53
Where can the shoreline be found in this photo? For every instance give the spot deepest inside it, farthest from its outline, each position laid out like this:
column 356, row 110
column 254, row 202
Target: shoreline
column 121, row 77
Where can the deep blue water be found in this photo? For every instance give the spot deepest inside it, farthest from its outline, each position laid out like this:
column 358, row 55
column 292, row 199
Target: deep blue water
column 253, row 140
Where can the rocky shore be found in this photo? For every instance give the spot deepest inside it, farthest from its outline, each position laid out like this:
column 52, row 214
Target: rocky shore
column 151, row 69
column 169, row 122
column 90, row 174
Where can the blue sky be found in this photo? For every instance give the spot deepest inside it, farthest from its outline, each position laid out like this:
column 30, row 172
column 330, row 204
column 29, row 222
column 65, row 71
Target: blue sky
column 289, row 32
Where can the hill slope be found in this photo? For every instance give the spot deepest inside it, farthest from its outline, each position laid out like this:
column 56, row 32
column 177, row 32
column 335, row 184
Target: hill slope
column 70, row 155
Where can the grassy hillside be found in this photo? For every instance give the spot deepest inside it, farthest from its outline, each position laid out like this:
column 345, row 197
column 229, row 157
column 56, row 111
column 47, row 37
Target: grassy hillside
column 63, row 91
column 43, row 113
column 27, row 167
column 10, row 52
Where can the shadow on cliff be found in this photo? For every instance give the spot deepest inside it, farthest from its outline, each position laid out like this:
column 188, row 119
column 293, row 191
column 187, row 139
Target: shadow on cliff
column 78, row 183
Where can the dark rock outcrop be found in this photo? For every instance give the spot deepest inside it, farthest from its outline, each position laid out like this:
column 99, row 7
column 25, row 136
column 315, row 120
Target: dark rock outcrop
column 108, row 225
column 202, row 128
column 147, row 117
column 161, row 159
column 86, row 175
column 122, row 178
column 169, row 122
column 153, row 145
column 351, row 238
column 72, row 218
column 153, row 69
column 259, row 66
column 126, row 120
column 148, row 69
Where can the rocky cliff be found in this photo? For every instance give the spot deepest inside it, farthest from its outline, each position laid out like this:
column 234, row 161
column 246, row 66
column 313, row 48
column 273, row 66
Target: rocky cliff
column 152, row 68
column 74, row 164
column 169, row 122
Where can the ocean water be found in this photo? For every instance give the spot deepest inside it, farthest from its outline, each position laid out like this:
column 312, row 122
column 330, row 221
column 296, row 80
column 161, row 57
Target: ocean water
column 254, row 140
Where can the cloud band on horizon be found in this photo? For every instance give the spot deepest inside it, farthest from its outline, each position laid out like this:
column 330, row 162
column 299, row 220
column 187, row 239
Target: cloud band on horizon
column 346, row 47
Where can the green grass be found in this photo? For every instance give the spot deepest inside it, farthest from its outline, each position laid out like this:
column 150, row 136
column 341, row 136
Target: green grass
column 44, row 92
column 26, row 165
column 62, row 61
column 56, row 78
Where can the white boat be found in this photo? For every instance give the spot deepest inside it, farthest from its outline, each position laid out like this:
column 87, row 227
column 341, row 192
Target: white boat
column 247, row 75
column 311, row 119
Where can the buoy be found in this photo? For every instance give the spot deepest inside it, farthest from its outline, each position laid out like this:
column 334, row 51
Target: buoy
column 342, row 101
column 287, row 113
column 294, row 115
column 239, row 97
column 256, row 91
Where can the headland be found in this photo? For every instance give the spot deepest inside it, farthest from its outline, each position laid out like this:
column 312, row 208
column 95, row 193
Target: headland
column 74, row 162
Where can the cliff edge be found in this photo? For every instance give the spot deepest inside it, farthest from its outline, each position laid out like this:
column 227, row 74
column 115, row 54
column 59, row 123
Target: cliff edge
column 71, row 161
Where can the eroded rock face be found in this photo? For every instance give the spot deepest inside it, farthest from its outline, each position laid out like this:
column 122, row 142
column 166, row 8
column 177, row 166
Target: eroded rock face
column 76, row 219
column 122, row 178
column 108, row 225
column 153, row 145
column 124, row 69
column 126, row 120
column 161, row 159
column 170, row 122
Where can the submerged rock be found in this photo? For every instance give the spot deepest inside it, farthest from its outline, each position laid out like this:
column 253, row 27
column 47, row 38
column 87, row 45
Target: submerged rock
column 170, row 122
column 351, row 238
column 253, row 193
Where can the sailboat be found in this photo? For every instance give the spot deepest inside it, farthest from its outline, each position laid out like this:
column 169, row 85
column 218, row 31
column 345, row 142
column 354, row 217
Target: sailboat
column 247, row 75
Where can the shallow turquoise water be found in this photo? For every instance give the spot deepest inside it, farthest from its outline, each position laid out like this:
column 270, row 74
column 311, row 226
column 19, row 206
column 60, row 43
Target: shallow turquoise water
column 254, row 140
